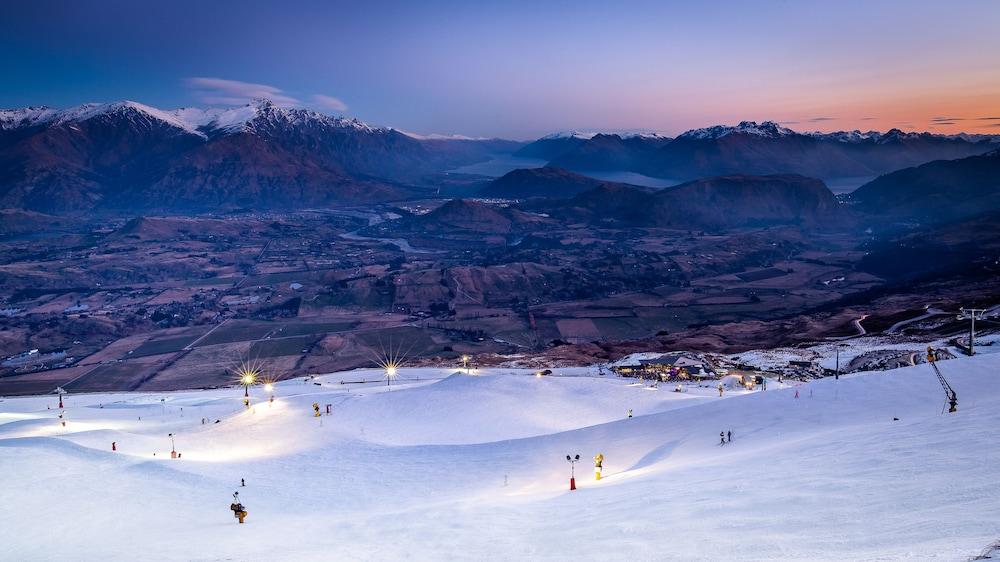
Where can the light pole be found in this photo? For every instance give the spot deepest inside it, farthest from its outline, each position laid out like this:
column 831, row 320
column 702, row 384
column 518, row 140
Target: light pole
column 572, row 470
column 836, row 375
column 269, row 388
column 173, row 449
column 248, row 378
column 971, row 314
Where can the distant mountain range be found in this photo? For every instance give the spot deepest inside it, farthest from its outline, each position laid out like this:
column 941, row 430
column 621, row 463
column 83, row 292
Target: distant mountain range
column 127, row 155
column 755, row 148
column 132, row 157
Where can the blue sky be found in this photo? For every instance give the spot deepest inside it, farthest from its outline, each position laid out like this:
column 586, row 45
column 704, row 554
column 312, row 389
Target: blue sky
column 521, row 69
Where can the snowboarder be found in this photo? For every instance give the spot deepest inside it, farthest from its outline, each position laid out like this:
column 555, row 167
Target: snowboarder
column 722, row 438
column 729, row 436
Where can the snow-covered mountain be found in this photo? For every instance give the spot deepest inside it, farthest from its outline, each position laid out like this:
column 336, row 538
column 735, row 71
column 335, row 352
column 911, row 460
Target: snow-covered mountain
column 127, row 154
column 768, row 129
column 256, row 115
column 759, row 148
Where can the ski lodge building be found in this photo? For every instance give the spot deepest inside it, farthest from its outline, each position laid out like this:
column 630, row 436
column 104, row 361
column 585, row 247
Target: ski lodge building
column 671, row 366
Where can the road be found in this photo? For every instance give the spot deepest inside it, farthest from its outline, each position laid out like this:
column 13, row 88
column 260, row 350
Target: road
column 931, row 312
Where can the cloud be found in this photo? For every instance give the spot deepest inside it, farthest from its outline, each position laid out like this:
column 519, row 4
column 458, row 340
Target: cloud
column 948, row 120
column 329, row 102
column 219, row 91
column 818, row 119
column 868, row 119
column 788, row 122
column 988, row 119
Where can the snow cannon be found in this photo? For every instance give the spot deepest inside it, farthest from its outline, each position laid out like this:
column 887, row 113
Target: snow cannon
column 237, row 508
column 598, row 461
column 572, row 470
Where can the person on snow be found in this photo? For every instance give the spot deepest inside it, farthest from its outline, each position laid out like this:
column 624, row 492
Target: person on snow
column 114, row 446
column 796, row 393
column 720, row 389
column 729, row 436
column 722, row 438
column 630, row 413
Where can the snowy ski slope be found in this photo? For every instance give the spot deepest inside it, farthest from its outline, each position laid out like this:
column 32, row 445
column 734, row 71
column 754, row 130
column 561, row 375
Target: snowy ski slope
column 419, row 473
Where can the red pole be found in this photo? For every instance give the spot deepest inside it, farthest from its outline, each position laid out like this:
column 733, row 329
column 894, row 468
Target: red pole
column 572, row 483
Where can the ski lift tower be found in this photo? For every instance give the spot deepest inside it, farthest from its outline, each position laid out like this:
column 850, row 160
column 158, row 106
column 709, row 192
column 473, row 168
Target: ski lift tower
column 971, row 314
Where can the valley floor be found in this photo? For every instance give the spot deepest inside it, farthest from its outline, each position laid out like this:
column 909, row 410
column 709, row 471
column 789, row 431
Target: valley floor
column 448, row 466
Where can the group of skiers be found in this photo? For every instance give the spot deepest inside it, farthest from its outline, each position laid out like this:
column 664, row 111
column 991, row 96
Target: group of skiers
column 725, row 437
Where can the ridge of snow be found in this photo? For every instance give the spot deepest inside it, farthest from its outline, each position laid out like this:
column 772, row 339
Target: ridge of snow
column 25, row 117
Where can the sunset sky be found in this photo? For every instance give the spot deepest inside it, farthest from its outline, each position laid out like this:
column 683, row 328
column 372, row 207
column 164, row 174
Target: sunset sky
column 521, row 69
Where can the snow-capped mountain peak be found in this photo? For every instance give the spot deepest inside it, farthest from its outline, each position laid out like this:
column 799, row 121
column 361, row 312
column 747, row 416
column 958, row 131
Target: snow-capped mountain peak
column 257, row 116
column 768, row 129
column 25, row 117
column 37, row 116
column 570, row 135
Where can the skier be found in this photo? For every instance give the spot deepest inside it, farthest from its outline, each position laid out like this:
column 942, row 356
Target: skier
column 630, row 413
column 114, row 447
column 243, row 482
column 729, row 436
column 720, row 389
column 796, row 393
column 722, row 438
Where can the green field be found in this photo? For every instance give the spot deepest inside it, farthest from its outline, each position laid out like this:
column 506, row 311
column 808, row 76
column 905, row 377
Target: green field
column 165, row 345
column 313, row 328
column 238, row 331
column 281, row 347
